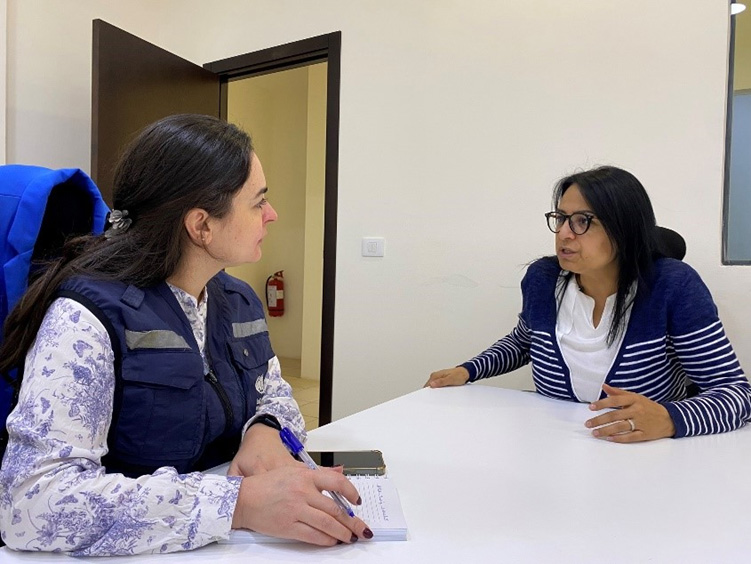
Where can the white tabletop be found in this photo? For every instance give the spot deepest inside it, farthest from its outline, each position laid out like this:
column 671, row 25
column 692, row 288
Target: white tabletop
column 492, row 475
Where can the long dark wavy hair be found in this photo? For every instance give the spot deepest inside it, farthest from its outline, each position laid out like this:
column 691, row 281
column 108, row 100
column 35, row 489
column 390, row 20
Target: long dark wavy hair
column 623, row 207
column 174, row 165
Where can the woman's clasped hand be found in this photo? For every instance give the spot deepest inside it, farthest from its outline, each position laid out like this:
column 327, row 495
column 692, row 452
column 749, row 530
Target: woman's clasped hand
column 634, row 418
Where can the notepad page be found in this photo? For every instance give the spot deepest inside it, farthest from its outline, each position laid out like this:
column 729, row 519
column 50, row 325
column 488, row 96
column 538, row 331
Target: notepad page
column 380, row 509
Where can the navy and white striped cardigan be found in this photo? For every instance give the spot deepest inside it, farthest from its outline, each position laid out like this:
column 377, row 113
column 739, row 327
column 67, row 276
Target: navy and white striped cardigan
column 674, row 335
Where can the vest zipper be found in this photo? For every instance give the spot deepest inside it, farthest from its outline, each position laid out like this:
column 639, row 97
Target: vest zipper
column 229, row 415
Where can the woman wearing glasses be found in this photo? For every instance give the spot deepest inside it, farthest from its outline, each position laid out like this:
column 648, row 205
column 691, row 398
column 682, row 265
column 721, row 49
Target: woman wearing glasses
column 610, row 322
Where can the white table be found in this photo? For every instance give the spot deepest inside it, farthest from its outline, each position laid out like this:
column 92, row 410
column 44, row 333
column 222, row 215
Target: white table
column 492, row 475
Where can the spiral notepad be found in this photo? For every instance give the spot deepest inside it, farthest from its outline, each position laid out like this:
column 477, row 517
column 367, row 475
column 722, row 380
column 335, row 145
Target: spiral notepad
column 380, row 509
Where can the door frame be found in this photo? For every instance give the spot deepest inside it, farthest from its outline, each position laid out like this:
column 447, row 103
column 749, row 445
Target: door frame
column 284, row 57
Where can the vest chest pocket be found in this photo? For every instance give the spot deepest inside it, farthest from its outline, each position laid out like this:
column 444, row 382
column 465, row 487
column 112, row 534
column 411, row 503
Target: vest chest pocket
column 161, row 417
column 250, row 357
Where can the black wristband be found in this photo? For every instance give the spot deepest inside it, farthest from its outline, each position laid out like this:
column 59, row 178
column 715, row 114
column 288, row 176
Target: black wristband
column 268, row 420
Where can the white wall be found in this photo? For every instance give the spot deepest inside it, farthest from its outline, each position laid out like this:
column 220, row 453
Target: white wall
column 456, row 119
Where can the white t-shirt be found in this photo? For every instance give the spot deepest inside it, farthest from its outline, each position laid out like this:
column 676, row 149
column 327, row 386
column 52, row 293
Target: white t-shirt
column 584, row 347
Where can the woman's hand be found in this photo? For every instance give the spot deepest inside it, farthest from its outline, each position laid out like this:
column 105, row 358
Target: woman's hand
column 288, row 503
column 448, row 377
column 635, row 418
column 261, row 450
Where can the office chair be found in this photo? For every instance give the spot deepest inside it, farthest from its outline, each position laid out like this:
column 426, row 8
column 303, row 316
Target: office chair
column 670, row 244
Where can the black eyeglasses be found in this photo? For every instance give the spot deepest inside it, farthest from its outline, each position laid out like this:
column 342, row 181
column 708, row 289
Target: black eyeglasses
column 579, row 222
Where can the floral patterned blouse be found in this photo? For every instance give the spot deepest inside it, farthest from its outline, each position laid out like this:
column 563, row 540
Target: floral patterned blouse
column 54, row 493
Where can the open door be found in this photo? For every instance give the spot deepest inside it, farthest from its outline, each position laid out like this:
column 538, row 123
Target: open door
column 135, row 83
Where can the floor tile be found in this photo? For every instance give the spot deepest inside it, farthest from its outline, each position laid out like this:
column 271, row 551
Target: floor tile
column 296, row 383
column 301, row 383
column 307, row 394
column 308, row 383
column 310, row 409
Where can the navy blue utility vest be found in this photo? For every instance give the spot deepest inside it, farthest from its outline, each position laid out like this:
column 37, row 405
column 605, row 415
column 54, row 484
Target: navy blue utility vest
column 167, row 410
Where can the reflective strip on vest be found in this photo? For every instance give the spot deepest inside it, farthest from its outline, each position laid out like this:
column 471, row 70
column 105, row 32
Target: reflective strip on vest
column 249, row 328
column 157, row 339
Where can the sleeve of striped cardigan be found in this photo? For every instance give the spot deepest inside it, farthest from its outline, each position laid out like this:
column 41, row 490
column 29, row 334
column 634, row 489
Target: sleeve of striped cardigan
column 512, row 351
column 506, row 354
column 707, row 359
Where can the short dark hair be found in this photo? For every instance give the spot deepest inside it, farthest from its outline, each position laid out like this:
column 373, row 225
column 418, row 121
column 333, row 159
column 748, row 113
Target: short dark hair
column 623, row 207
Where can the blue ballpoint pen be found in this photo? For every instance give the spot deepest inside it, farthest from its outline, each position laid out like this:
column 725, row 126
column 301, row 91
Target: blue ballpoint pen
column 295, row 447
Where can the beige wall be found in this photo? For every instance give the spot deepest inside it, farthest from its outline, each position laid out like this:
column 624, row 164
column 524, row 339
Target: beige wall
column 742, row 54
column 256, row 123
column 274, row 109
column 456, row 119
column 310, row 366
column 286, row 115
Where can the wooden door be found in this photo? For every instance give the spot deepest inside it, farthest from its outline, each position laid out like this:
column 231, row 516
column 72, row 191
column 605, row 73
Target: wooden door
column 135, row 83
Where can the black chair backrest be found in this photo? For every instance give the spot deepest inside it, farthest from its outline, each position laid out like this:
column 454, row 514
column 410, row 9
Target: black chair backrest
column 670, row 244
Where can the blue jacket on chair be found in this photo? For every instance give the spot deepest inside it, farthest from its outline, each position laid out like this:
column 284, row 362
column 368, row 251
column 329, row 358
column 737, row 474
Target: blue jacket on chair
column 75, row 206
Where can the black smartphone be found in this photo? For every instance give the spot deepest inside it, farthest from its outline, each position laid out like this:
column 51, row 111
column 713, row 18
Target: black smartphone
column 355, row 462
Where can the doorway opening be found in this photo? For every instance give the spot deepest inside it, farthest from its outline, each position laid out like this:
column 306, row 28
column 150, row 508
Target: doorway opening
column 321, row 57
column 285, row 114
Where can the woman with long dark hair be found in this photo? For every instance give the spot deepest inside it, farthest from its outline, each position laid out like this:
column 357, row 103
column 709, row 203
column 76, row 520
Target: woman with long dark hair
column 143, row 362
column 611, row 322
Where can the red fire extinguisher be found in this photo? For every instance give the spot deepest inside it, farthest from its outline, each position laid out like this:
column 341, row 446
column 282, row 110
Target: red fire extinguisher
column 275, row 294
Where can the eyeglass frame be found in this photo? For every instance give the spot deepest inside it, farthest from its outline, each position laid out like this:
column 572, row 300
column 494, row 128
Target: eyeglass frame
column 567, row 217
